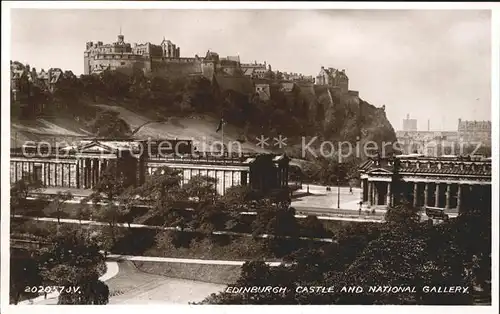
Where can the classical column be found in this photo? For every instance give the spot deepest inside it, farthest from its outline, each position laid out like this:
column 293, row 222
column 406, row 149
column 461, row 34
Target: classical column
column 98, row 171
column 370, row 193
column 389, row 194
column 459, row 196
column 92, row 165
column 415, row 194
column 436, row 196
column 375, row 192
column 426, row 194
column 448, row 194
column 78, row 174
column 362, row 189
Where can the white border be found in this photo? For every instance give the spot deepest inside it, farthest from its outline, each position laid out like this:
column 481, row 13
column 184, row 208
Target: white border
column 495, row 63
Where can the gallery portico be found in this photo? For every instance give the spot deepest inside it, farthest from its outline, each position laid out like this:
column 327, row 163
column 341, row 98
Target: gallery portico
column 425, row 182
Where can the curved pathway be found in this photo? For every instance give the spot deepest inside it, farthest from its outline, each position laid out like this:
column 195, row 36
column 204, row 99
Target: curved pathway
column 111, row 271
column 133, row 286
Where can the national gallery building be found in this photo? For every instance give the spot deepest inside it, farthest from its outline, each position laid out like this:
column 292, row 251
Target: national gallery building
column 81, row 166
column 447, row 183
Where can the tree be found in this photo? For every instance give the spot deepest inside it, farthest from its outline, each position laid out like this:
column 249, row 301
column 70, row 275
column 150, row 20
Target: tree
column 211, row 217
column 112, row 183
column 24, row 272
column 201, row 188
column 108, row 124
column 20, row 191
column 116, row 83
column 57, row 204
column 83, row 211
column 162, row 191
column 239, row 198
column 73, row 259
column 403, row 215
column 93, row 291
column 313, row 227
column 276, row 220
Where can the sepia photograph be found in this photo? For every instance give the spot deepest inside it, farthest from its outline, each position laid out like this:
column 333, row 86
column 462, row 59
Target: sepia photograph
column 249, row 157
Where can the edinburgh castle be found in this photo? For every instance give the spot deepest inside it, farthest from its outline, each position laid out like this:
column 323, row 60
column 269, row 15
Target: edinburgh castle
column 165, row 60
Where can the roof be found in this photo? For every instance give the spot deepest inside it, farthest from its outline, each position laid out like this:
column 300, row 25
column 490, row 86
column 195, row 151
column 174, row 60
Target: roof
column 444, row 166
column 104, row 146
column 235, row 83
column 233, row 58
column 455, row 171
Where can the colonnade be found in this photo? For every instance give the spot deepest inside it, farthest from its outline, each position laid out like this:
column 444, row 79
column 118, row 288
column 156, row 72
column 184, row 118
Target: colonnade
column 445, row 195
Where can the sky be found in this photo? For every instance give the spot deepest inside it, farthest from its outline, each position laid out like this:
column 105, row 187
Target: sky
column 433, row 64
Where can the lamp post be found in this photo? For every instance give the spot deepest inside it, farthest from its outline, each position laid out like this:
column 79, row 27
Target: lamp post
column 338, row 192
column 338, row 184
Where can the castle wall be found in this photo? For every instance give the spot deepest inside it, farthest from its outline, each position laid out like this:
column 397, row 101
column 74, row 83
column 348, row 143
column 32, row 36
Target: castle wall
column 176, row 66
column 98, row 63
column 351, row 98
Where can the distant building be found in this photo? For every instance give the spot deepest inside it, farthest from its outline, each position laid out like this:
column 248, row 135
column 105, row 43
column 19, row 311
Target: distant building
column 162, row 59
column 255, row 70
column 429, row 143
column 43, row 79
column 409, row 124
column 263, row 90
column 333, row 77
column 475, row 131
column 296, row 77
column 80, row 166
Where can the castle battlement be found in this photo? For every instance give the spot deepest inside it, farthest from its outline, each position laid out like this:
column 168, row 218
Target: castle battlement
column 254, row 65
column 117, row 56
column 177, row 60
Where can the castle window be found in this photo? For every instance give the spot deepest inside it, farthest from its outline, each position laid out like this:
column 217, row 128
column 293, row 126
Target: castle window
column 122, row 63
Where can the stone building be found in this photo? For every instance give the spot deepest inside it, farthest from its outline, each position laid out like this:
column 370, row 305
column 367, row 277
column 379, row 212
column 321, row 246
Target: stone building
column 163, row 59
column 25, row 75
column 296, row 77
column 263, row 90
column 333, row 77
column 430, row 143
column 255, row 70
column 80, row 166
column 120, row 54
column 448, row 184
column 478, row 131
column 409, row 125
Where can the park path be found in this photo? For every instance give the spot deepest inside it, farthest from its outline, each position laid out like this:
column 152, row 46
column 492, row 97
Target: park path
column 144, row 288
column 112, row 270
column 182, row 260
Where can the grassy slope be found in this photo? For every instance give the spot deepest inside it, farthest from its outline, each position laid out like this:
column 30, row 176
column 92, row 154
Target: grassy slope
column 200, row 128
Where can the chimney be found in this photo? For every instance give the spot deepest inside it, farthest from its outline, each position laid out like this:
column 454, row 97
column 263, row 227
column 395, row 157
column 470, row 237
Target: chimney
column 407, row 116
column 428, row 125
